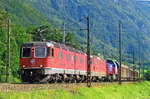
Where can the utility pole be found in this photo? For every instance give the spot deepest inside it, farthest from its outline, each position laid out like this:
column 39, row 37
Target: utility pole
column 143, row 68
column 8, row 49
column 104, row 51
column 64, row 33
column 139, row 59
column 133, row 66
column 120, row 53
column 88, row 54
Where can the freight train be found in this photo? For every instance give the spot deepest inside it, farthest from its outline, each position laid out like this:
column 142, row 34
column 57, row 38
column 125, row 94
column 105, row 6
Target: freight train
column 54, row 62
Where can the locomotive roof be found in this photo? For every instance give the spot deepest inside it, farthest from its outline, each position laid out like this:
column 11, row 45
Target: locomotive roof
column 57, row 45
column 51, row 44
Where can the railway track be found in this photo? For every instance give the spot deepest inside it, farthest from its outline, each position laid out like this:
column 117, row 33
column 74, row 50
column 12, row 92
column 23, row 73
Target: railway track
column 5, row 87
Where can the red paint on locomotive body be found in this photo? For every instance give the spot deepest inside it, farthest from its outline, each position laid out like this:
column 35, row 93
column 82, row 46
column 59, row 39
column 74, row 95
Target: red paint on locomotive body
column 98, row 65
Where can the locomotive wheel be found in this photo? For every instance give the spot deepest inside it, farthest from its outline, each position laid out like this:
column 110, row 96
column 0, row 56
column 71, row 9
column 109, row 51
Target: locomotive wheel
column 94, row 79
column 52, row 79
column 73, row 80
column 24, row 78
column 78, row 78
column 81, row 78
column 78, row 81
column 97, row 79
column 84, row 79
column 31, row 79
column 60, row 78
column 67, row 78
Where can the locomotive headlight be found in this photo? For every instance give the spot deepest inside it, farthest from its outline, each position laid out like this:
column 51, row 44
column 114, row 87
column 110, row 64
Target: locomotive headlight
column 41, row 66
column 24, row 66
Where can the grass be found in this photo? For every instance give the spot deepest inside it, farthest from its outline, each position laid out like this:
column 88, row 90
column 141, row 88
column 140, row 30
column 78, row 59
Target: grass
column 126, row 91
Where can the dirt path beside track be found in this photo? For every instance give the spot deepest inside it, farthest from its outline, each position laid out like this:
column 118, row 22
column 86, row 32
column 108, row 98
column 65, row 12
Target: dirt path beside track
column 5, row 87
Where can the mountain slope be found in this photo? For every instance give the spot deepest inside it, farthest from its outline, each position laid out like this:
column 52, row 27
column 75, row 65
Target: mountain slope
column 104, row 20
column 22, row 13
column 104, row 16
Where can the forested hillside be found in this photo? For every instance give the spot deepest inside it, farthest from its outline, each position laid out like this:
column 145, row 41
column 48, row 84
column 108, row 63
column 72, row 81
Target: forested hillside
column 22, row 13
column 16, row 41
column 25, row 21
column 104, row 22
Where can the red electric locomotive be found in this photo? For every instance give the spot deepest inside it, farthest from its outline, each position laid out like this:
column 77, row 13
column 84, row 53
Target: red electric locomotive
column 51, row 62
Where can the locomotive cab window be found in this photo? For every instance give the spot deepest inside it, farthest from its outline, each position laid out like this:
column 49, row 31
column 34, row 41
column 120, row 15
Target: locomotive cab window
column 40, row 52
column 48, row 51
column 52, row 52
column 26, row 52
